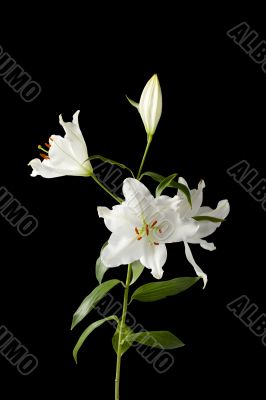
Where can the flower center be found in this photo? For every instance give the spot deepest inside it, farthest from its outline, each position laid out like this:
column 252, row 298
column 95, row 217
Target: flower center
column 147, row 230
column 43, row 155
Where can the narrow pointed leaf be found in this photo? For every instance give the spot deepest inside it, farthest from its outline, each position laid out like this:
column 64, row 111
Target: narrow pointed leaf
column 159, row 290
column 92, row 299
column 164, row 184
column 185, row 190
column 113, row 162
column 157, row 339
column 132, row 102
column 173, row 184
column 100, row 270
column 207, row 218
column 156, row 177
column 88, row 331
column 137, row 269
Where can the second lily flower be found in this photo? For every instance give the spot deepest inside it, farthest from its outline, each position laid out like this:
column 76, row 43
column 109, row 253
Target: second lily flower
column 64, row 155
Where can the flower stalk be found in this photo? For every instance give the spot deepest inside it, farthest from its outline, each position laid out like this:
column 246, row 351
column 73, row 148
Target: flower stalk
column 145, row 155
column 123, row 320
column 94, row 177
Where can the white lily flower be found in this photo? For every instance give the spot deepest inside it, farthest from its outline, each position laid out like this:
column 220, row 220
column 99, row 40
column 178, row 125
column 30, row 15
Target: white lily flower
column 66, row 155
column 206, row 228
column 150, row 104
column 141, row 226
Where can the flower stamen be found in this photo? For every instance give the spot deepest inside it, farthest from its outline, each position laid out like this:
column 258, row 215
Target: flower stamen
column 44, row 156
column 147, row 230
column 41, row 148
column 139, row 237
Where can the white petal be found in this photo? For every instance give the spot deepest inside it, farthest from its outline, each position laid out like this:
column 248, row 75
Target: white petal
column 206, row 228
column 44, row 169
column 184, row 182
column 206, row 245
column 138, row 197
column 154, row 258
column 61, row 155
column 197, row 197
column 75, row 140
column 120, row 217
column 203, row 243
column 38, row 169
column 197, row 269
column 166, row 202
column 221, row 211
column 184, row 208
column 176, row 229
column 121, row 250
column 72, row 129
column 204, row 211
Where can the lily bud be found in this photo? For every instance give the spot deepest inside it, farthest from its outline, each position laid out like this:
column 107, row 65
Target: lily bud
column 150, row 105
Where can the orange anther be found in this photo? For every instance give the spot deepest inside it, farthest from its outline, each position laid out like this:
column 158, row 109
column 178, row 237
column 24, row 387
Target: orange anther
column 147, row 229
column 44, row 156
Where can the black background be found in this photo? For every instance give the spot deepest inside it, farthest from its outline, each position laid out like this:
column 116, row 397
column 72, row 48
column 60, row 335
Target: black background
column 213, row 117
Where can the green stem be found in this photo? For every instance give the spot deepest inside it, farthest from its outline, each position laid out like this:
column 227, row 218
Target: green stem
column 125, row 303
column 144, row 155
column 105, row 188
column 123, row 320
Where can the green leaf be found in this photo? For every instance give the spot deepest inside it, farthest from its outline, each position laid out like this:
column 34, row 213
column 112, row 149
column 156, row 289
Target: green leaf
column 108, row 160
column 92, row 299
column 207, row 218
column 137, row 269
column 185, row 190
column 164, row 184
column 100, row 267
column 156, row 177
column 125, row 343
column 159, row 290
column 157, row 339
column 133, row 103
column 88, row 331
column 172, row 184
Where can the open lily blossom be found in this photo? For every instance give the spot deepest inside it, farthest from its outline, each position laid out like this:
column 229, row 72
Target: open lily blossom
column 63, row 155
column 141, row 226
column 150, row 104
column 206, row 228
